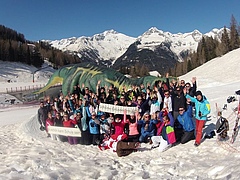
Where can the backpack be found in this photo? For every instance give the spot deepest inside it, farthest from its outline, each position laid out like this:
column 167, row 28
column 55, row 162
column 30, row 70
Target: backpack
column 222, row 125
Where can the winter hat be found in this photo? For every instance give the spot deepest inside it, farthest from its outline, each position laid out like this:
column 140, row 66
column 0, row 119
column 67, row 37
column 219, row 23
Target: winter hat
column 198, row 93
column 146, row 113
column 132, row 113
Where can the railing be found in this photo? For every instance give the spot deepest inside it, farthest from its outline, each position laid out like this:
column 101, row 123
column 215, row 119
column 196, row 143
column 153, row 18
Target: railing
column 24, row 88
column 28, row 88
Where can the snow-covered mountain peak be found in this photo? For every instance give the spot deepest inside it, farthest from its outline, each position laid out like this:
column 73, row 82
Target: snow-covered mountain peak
column 152, row 30
column 178, row 42
column 216, row 33
column 110, row 44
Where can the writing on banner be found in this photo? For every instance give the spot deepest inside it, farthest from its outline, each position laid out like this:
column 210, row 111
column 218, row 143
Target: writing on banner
column 75, row 132
column 110, row 108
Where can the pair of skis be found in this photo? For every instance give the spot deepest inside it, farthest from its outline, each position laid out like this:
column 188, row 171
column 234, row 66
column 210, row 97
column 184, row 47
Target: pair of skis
column 236, row 129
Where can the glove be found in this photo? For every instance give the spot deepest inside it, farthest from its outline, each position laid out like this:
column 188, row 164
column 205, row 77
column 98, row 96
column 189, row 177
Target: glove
column 92, row 124
column 200, row 114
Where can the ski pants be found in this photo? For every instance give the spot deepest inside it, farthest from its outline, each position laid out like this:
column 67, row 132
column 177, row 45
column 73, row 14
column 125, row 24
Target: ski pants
column 125, row 148
column 72, row 140
column 199, row 128
column 163, row 144
column 187, row 136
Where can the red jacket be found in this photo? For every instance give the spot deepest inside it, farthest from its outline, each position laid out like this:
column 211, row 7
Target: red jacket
column 49, row 122
column 69, row 123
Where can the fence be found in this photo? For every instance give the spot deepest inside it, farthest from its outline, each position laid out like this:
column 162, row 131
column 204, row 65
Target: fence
column 24, row 88
column 28, row 88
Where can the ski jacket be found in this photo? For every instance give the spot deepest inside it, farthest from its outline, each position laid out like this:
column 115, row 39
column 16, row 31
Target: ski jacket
column 111, row 142
column 155, row 105
column 94, row 126
column 151, row 127
column 167, row 130
column 42, row 115
column 186, row 119
column 202, row 107
column 104, row 126
column 49, row 122
column 119, row 127
column 69, row 123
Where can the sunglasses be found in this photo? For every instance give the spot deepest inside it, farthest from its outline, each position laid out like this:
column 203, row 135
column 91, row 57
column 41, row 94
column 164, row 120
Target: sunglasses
column 181, row 110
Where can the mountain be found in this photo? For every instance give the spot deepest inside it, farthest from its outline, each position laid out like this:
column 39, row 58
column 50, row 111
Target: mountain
column 106, row 46
column 156, row 49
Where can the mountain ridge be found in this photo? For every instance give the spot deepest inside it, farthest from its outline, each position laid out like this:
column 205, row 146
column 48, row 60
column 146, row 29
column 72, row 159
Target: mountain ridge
column 111, row 47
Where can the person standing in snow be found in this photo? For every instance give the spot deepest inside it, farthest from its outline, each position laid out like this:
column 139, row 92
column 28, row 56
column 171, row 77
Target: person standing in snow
column 69, row 123
column 42, row 116
column 94, row 127
column 202, row 107
column 116, row 144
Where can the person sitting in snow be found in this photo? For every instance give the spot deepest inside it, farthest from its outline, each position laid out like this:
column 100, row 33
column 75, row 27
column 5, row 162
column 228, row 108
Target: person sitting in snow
column 148, row 128
column 116, row 144
column 185, row 119
column 165, row 132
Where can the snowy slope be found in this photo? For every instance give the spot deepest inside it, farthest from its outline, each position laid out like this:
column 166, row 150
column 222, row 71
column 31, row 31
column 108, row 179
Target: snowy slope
column 218, row 71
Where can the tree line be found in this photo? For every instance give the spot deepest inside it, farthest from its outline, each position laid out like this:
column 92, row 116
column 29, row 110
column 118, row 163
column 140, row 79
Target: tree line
column 209, row 48
column 15, row 48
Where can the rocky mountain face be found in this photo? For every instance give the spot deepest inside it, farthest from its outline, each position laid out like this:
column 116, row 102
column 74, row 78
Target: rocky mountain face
column 155, row 49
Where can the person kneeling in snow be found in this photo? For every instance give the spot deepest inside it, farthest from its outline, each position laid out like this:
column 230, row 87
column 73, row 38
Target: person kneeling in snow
column 116, row 144
column 165, row 132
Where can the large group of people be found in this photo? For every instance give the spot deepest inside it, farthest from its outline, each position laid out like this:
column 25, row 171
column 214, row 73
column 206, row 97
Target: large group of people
column 167, row 114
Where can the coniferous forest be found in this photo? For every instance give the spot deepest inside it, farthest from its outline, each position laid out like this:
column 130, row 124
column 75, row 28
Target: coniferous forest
column 209, row 48
column 14, row 47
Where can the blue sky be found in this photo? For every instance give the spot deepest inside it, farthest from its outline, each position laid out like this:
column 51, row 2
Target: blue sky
column 58, row 19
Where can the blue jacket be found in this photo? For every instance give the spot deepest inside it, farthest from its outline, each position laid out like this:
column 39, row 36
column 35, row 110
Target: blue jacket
column 94, row 127
column 151, row 128
column 186, row 119
column 200, row 106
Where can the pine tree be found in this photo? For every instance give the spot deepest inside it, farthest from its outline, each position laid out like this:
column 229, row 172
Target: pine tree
column 234, row 39
column 189, row 66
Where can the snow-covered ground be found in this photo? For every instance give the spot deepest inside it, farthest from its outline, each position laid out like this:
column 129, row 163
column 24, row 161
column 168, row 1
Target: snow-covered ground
column 26, row 152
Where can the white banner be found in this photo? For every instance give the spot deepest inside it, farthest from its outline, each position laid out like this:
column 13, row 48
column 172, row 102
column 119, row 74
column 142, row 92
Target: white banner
column 74, row 132
column 110, row 108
